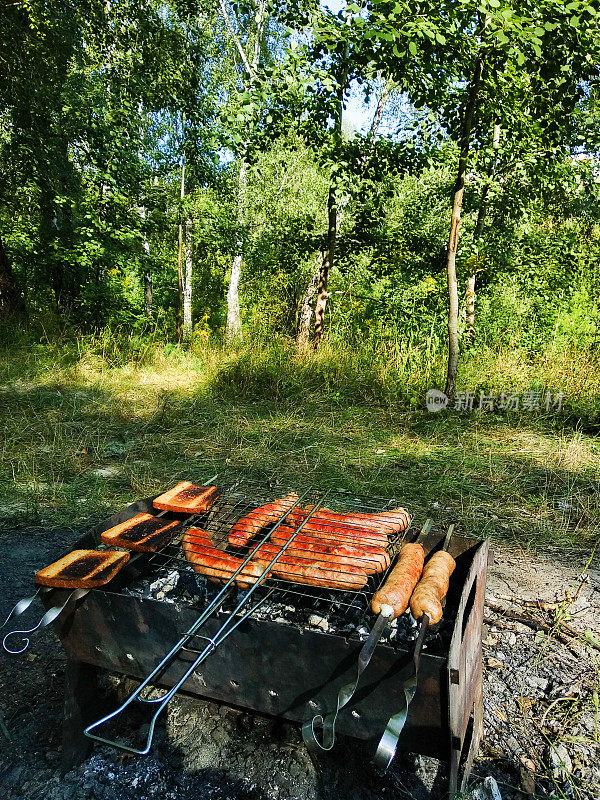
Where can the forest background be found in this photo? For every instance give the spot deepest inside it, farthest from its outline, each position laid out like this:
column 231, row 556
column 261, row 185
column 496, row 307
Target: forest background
column 204, row 265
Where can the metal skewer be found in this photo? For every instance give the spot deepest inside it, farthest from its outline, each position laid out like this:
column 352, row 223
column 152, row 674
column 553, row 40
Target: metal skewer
column 24, row 604
column 386, row 749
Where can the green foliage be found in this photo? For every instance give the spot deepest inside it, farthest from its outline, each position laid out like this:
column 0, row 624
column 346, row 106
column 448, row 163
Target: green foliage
column 91, row 151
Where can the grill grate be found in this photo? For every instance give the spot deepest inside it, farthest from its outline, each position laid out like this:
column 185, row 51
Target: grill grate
column 234, row 504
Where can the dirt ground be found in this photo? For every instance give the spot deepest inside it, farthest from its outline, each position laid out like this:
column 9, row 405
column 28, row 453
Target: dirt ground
column 540, row 696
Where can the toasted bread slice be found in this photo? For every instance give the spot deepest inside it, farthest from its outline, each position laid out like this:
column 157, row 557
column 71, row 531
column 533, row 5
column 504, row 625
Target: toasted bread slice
column 83, row 569
column 143, row 532
column 187, row 498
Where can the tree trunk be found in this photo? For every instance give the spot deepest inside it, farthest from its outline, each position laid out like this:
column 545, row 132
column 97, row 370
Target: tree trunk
column 459, row 189
column 179, row 320
column 148, row 293
column 305, row 315
column 470, row 307
column 251, row 60
column 328, row 257
column 470, row 293
column 477, row 232
column 48, row 234
column 233, row 330
column 329, row 254
column 10, row 299
column 148, row 296
column 186, row 331
column 381, row 104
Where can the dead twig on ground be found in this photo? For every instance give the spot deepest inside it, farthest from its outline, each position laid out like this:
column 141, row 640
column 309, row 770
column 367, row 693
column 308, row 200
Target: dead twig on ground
column 562, row 629
column 537, row 625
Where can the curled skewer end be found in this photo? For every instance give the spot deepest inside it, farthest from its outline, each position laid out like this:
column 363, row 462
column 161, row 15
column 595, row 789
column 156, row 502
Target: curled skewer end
column 26, row 639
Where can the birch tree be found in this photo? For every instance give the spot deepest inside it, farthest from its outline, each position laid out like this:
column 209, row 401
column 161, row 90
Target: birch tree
column 249, row 53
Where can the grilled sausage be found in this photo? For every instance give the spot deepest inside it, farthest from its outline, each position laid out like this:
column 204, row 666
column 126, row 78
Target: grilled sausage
column 338, row 551
column 309, row 571
column 217, row 565
column 385, row 522
column 433, row 587
column 245, row 528
column 401, row 581
column 334, row 529
column 348, row 533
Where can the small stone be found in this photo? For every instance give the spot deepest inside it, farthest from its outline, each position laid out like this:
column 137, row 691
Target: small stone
column 106, row 472
column 563, row 505
column 488, row 790
column 560, row 761
column 318, row 622
column 512, row 744
column 537, row 682
column 527, row 774
column 491, row 640
column 511, row 639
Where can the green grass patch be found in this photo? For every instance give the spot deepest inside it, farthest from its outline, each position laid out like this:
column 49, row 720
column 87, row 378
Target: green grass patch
column 86, row 429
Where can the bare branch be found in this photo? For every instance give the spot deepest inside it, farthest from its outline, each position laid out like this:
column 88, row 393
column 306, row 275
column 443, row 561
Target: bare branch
column 251, row 72
column 261, row 19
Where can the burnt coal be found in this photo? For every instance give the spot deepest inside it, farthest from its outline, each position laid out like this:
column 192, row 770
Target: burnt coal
column 328, row 611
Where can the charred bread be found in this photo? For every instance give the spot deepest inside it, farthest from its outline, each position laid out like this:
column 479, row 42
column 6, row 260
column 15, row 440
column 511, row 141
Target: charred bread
column 187, row 498
column 143, row 533
column 83, row 569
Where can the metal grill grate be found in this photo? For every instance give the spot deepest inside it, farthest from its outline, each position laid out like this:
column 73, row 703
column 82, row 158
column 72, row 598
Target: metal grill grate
column 234, row 505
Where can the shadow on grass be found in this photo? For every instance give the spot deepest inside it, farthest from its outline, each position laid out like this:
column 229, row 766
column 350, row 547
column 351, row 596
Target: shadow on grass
column 73, row 451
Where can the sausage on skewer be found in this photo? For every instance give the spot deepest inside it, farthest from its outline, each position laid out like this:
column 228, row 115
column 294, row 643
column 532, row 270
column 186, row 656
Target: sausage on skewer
column 433, row 587
column 401, row 581
column 371, row 558
column 255, row 520
column 217, row 565
column 383, row 522
column 309, row 571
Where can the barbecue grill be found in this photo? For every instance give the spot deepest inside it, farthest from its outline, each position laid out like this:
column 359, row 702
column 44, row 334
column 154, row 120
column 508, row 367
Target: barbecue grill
column 279, row 648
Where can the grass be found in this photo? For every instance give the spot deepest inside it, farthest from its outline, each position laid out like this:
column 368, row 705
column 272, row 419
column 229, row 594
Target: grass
column 88, row 426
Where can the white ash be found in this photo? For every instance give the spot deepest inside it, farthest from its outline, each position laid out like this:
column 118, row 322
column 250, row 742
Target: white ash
column 316, row 621
column 326, row 611
column 161, row 587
